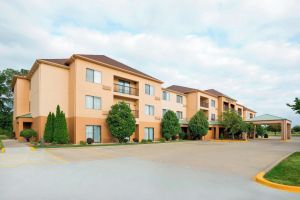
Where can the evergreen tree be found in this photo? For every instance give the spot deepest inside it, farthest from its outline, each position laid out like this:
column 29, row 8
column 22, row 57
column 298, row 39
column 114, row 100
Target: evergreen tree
column 60, row 135
column 49, row 128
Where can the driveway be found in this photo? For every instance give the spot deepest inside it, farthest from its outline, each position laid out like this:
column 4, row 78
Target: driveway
column 184, row 170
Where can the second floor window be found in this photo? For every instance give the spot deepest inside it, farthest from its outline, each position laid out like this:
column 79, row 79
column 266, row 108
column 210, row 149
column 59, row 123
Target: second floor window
column 179, row 114
column 213, row 103
column 149, row 110
column 166, row 96
column 213, row 117
column 92, row 102
column 93, row 76
column 179, row 99
column 164, row 111
column 149, row 89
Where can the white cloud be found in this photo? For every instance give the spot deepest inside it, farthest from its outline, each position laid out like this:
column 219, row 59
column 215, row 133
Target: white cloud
column 241, row 48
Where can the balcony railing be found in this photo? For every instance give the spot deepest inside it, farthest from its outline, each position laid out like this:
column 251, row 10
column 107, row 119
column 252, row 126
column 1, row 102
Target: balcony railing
column 135, row 113
column 204, row 104
column 126, row 89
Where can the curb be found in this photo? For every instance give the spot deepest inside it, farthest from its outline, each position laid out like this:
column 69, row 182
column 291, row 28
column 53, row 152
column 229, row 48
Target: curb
column 259, row 178
column 229, row 140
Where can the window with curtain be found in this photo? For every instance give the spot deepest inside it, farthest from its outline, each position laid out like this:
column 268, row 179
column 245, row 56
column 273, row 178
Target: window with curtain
column 92, row 102
column 149, row 89
column 94, row 132
column 149, row 133
column 149, row 110
column 179, row 99
column 166, row 95
column 93, row 76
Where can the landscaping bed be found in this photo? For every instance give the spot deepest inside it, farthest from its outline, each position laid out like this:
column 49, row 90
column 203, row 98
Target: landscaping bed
column 287, row 172
column 2, row 137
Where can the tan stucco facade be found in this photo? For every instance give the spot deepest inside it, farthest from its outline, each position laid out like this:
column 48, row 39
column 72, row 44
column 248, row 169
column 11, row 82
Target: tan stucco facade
column 50, row 83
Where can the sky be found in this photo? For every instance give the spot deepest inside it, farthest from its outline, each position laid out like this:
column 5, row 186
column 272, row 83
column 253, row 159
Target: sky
column 249, row 50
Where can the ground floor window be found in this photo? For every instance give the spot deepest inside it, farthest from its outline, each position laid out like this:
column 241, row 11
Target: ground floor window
column 93, row 132
column 149, row 134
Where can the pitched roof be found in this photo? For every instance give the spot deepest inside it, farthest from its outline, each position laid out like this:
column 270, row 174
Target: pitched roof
column 109, row 61
column 217, row 93
column 61, row 61
column 182, row 89
column 266, row 117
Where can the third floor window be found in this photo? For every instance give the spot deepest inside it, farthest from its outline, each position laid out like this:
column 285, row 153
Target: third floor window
column 166, row 96
column 213, row 103
column 149, row 89
column 179, row 99
column 93, row 76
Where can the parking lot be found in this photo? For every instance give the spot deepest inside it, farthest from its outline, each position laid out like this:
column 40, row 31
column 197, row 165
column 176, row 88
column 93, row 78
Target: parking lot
column 189, row 170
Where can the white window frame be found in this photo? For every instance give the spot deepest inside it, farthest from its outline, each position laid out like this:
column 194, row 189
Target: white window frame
column 94, row 98
column 149, row 89
column 166, row 95
column 95, row 74
column 148, row 109
column 179, row 97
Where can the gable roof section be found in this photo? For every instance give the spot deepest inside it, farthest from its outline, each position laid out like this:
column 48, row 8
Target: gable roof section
column 217, row 93
column 267, row 117
column 109, row 61
column 181, row 89
column 60, row 61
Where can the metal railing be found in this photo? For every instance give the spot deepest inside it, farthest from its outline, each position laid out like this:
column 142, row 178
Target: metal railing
column 135, row 113
column 204, row 104
column 126, row 89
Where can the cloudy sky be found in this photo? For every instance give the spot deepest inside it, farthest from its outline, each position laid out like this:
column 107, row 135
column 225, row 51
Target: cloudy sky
column 249, row 50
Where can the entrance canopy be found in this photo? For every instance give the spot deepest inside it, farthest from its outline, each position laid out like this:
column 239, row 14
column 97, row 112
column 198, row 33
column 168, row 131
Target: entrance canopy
column 271, row 119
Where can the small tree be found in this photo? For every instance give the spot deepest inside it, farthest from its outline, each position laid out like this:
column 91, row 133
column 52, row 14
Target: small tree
column 28, row 134
column 260, row 130
column 121, row 121
column 233, row 123
column 296, row 128
column 60, row 134
column 274, row 128
column 198, row 125
column 49, row 128
column 295, row 107
column 170, row 123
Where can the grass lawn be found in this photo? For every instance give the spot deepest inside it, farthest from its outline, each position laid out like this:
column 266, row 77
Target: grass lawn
column 287, row 172
column 278, row 134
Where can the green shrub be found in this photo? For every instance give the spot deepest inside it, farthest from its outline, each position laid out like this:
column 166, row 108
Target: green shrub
column 260, row 130
column 198, row 125
column 182, row 135
column 296, row 128
column 266, row 135
column 82, row 143
column 162, row 140
column 121, row 121
column 144, row 141
column 149, row 140
column 167, row 136
column 9, row 134
column 89, row 140
column 28, row 134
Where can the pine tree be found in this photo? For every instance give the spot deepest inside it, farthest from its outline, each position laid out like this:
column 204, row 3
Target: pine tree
column 49, row 128
column 61, row 135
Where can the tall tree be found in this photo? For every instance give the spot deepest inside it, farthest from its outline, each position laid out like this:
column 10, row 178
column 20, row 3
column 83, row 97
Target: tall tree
column 233, row 123
column 6, row 96
column 49, row 128
column 121, row 121
column 295, row 107
column 198, row 125
column 60, row 134
column 170, row 123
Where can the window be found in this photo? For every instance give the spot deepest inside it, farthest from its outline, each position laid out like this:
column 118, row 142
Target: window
column 213, row 103
column 164, row 111
column 93, row 76
column 149, row 134
column 166, row 96
column 92, row 102
column 213, row 117
column 179, row 99
column 149, row 89
column 149, row 110
column 93, row 132
column 179, row 114
column 124, row 87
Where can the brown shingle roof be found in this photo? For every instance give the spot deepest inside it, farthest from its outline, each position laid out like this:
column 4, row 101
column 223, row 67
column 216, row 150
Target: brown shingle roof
column 182, row 89
column 110, row 61
column 214, row 92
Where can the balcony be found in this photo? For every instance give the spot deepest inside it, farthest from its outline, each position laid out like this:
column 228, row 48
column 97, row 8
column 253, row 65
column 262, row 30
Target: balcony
column 126, row 89
column 204, row 104
column 135, row 113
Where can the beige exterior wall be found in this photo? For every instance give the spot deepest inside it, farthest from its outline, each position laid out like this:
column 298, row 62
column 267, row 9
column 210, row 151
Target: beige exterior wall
column 21, row 97
column 172, row 103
